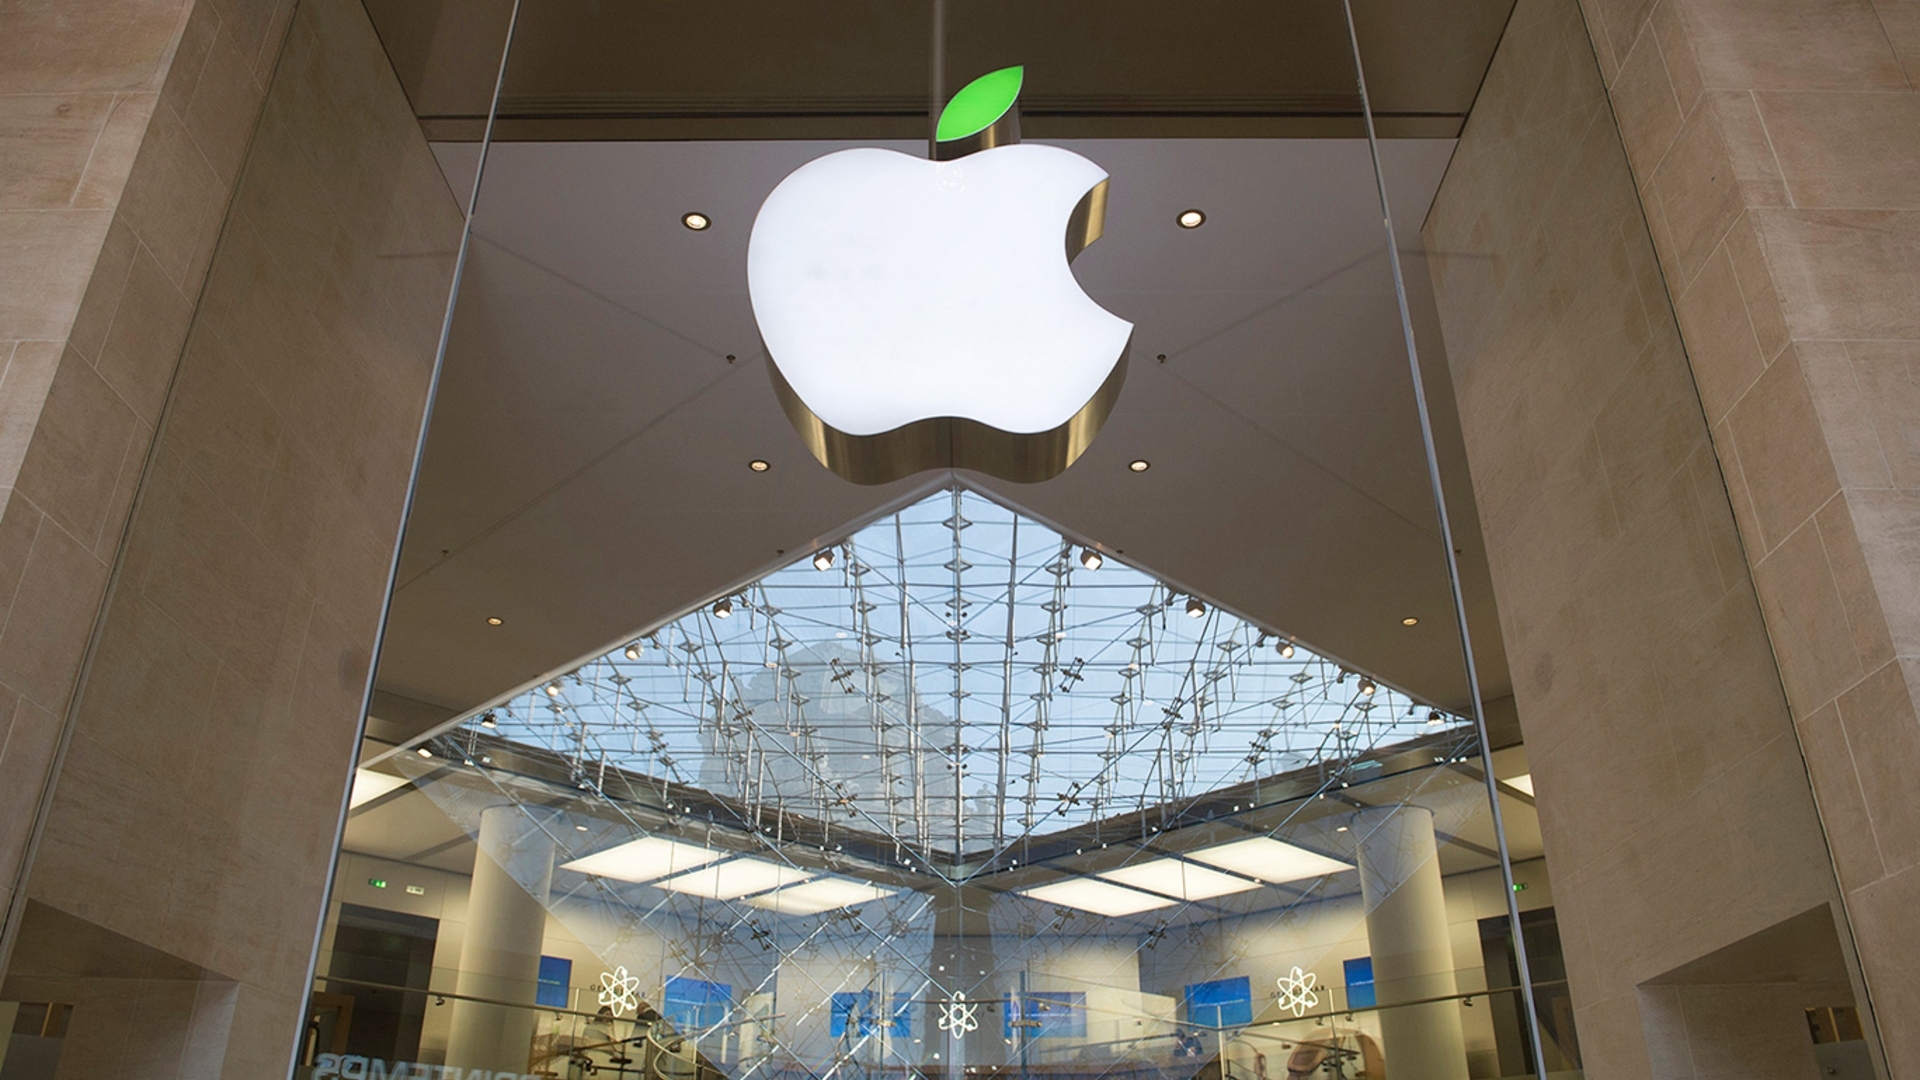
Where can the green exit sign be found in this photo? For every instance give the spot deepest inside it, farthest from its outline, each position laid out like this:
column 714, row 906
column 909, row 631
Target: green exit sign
column 378, row 883
column 1519, row 886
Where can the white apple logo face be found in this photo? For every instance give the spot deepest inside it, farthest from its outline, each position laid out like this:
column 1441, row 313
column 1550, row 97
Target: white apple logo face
column 891, row 289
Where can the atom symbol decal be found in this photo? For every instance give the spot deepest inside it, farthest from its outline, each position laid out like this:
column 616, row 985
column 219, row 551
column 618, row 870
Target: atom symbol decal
column 1296, row 991
column 618, row 990
column 957, row 1016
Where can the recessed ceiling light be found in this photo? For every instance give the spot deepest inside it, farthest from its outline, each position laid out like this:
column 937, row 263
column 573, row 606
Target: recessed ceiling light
column 696, row 221
column 644, row 859
column 823, row 559
column 735, row 878
column 1090, row 559
column 1171, row 877
column 1139, row 465
column 495, row 620
column 1191, row 219
column 1269, row 860
column 757, row 465
column 1410, row 621
column 1099, row 897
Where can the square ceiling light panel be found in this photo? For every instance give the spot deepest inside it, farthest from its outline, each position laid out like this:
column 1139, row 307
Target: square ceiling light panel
column 1523, row 782
column 1171, row 877
column 369, row 785
column 1099, row 897
column 644, row 859
column 1272, row 861
column 823, row 894
column 735, row 878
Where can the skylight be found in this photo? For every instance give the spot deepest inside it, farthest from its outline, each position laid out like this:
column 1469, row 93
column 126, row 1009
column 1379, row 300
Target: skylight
column 957, row 678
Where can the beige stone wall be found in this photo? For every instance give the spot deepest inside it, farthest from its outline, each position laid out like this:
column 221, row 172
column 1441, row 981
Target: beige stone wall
column 122, row 126
column 213, row 737
column 1776, row 145
column 1672, row 793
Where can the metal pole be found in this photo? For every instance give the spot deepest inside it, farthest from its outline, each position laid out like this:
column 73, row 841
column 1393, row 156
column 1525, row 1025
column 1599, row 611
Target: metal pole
column 1453, row 562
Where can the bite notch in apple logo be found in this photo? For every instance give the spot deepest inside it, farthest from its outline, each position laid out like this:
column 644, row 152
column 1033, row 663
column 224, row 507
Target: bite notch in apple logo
column 922, row 314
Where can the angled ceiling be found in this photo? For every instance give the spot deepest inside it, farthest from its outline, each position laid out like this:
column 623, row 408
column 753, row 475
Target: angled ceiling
column 585, row 476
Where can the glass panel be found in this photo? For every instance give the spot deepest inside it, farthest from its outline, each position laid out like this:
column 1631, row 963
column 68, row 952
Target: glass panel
column 1162, row 766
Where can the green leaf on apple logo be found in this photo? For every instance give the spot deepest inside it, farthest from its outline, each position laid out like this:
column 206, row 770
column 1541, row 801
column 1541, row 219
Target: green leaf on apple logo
column 979, row 103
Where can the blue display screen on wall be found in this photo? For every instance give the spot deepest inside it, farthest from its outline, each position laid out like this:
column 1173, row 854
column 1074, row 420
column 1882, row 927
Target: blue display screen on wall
column 848, row 1004
column 1046, row 1014
column 556, row 975
column 1360, row 983
column 695, row 1003
column 1220, row 1003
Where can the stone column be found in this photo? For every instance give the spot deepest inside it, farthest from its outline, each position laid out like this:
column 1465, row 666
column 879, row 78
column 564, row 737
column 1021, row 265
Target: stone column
column 500, row 958
column 1407, row 934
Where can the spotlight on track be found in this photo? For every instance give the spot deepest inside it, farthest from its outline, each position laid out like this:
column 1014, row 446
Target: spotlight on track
column 553, row 688
column 1195, row 608
column 488, row 721
column 823, row 559
column 723, row 608
column 1286, row 650
column 1091, row 559
column 1366, row 687
column 633, row 650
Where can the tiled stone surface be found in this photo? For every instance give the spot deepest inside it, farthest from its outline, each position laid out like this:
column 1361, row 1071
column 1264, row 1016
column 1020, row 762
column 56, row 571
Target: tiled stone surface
column 1657, row 729
column 189, row 815
column 1802, row 325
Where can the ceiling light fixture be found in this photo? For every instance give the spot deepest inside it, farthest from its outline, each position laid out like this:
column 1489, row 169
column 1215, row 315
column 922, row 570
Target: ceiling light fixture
column 1195, row 608
column 1410, row 621
column 1274, row 861
column 696, row 221
column 1366, row 687
column 424, row 752
column 723, row 608
column 1139, row 464
column 1171, row 877
column 823, row 559
column 369, row 785
column 644, row 859
column 633, row 650
column 1191, row 219
column 495, row 620
column 821, row 894
column 1099, row 897
column 553, row 688
column 487, row 720
column 758, row 465
column 1091, row 559
column 735, row 878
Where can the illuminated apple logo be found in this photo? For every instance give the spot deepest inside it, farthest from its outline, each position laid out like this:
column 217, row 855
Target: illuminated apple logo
column 922, row 314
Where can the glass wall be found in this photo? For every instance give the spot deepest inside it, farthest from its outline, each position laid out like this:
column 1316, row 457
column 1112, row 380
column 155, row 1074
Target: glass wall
column 1170, row 765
